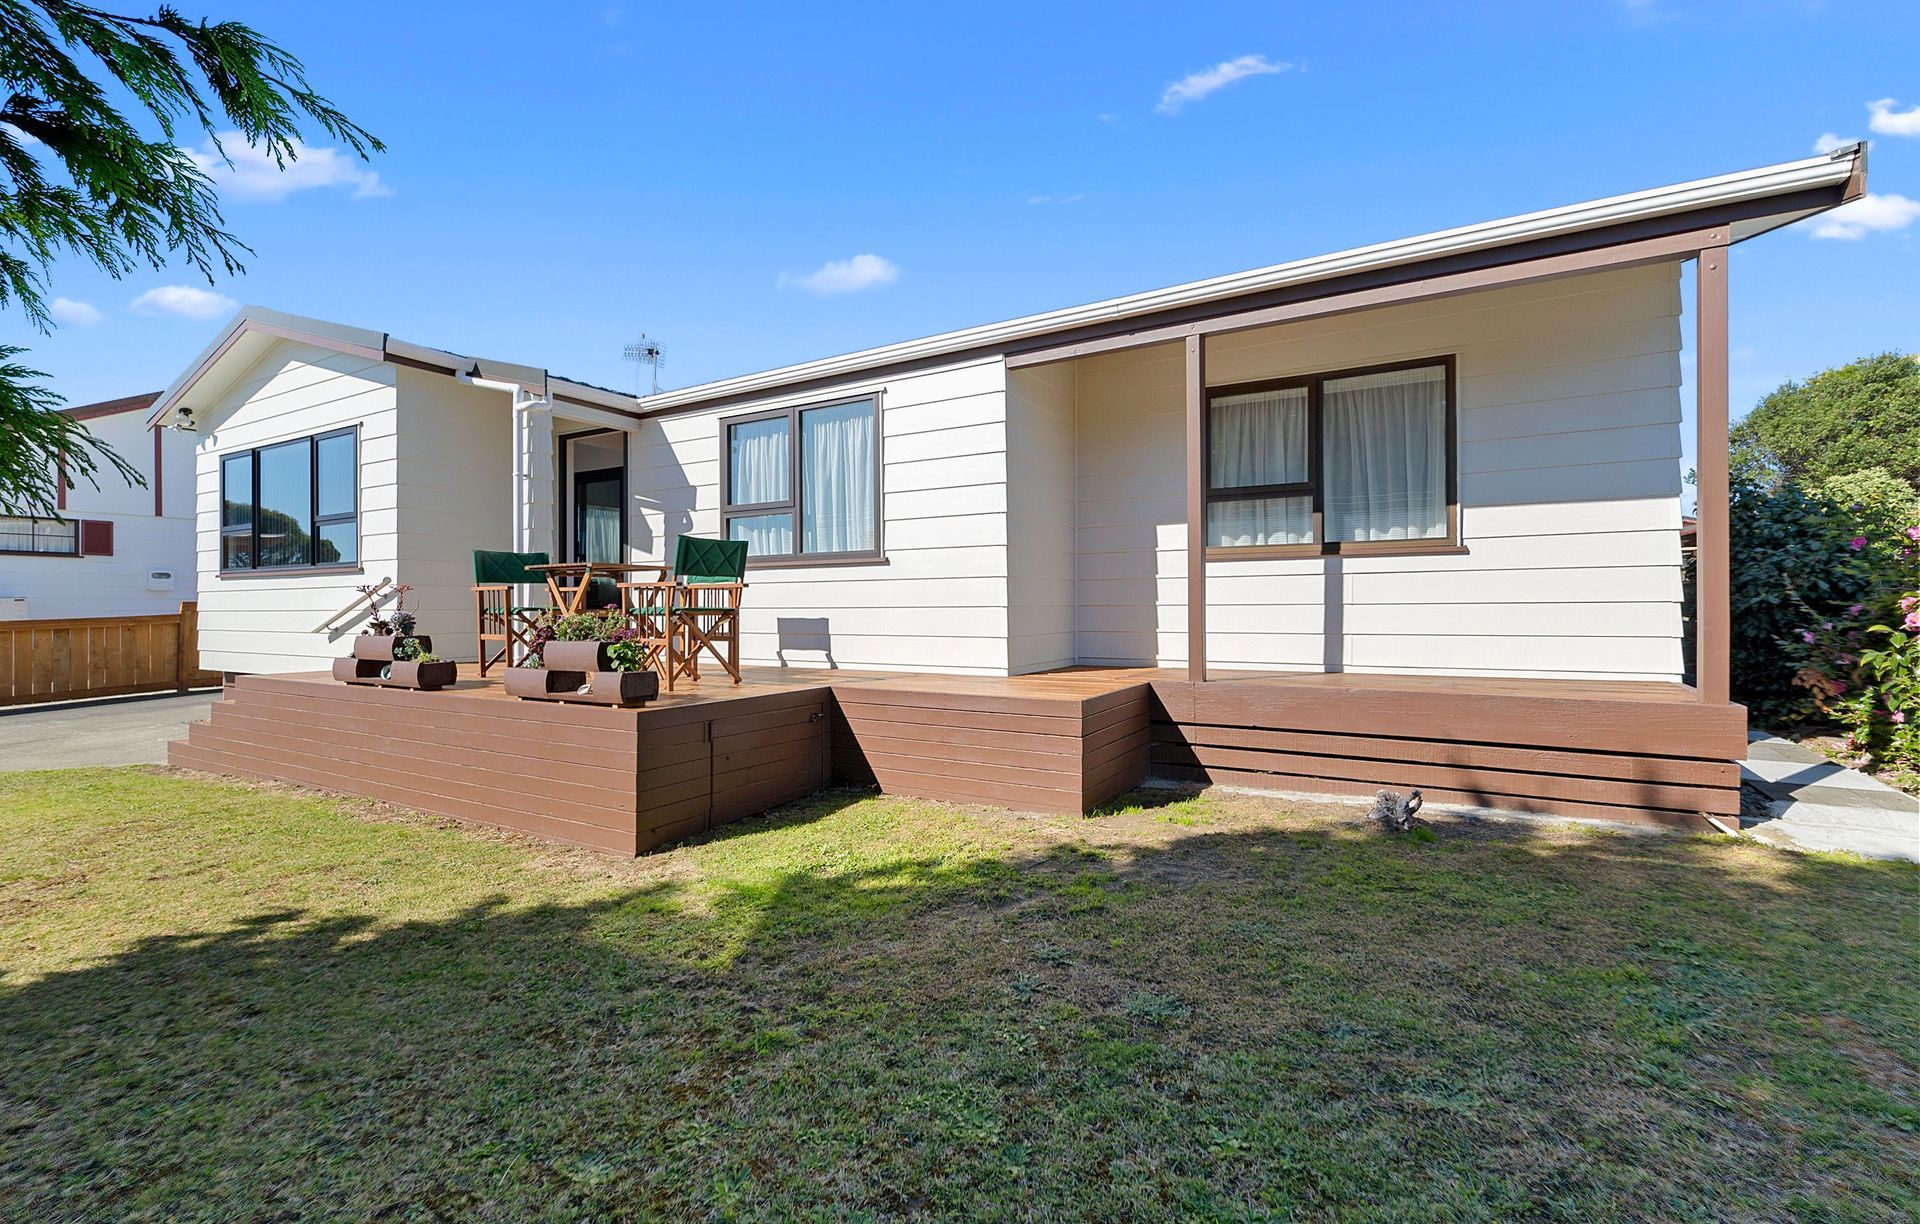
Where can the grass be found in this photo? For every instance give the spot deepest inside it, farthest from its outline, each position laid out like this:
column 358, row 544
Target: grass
column 220, row 1001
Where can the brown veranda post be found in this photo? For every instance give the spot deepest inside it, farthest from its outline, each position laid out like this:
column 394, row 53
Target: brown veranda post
column 1712, row 574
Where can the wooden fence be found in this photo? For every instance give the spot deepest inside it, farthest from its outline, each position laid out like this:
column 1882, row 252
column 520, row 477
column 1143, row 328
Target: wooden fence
column 103, row 656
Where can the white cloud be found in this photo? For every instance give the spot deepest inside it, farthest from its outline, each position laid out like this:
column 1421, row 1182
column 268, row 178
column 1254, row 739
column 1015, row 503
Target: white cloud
column 1197, row 85
column 80, row 314
column 1889, row 122
column 1828, row 142
column 254, row 176
column 1869, row 213
column 185, row 302
column 845, row 275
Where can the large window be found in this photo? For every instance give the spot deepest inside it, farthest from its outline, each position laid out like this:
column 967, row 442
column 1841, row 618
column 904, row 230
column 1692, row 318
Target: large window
column 291, row 505
column 804, row 483
column 50, row 537
column 1349, row 461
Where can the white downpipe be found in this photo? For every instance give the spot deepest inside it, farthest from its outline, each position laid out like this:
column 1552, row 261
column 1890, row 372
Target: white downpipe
column 532, row 478
column 532, row 468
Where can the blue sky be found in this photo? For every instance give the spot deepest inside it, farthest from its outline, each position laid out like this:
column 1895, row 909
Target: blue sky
column 755, row 185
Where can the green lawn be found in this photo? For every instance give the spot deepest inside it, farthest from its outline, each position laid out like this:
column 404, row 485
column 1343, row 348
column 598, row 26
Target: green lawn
column 220, row 1001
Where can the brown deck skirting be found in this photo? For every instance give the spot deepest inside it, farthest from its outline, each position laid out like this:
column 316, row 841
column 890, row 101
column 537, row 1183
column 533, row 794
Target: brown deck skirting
column 1650, row 754
column 627, row 780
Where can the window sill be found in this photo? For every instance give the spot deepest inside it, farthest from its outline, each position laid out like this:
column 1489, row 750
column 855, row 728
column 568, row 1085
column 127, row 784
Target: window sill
column 1309, row 552
column 785, row 563
column 28, row 552
column 292, row 571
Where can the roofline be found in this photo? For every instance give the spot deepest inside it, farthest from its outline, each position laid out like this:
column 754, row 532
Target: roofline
column 1830, row 179
column 112, row 407
column 380, row 346
column 1844, row 168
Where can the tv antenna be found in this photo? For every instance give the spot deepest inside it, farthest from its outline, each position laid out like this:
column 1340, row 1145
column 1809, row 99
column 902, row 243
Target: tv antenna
column 646, row 352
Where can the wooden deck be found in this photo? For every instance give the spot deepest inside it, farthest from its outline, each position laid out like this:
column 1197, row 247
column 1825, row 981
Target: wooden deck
column 626, row 781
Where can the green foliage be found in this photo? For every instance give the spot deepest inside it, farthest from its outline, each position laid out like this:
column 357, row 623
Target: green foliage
column 79, row 179
column 1844, row 420
column 1792, row 561
column 1881, row 506
column 407, row 650
column 1860, row 666
column 1888, row 729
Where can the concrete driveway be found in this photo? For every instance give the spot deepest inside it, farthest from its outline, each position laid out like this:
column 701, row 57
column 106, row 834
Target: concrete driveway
column 105, row 731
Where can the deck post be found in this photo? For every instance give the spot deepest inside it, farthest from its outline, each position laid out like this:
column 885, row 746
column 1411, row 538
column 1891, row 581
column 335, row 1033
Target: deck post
column 1712, row 572
column 1196, row 509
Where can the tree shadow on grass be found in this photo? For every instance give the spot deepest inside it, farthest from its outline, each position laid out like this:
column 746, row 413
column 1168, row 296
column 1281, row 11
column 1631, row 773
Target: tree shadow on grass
column 1219, row 1023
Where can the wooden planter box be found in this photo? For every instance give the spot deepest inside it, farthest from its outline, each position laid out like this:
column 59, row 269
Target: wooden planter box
column 373, row 654
column 581, row 672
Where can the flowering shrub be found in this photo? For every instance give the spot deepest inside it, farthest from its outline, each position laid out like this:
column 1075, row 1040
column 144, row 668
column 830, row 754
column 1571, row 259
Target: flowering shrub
column 1794, row 569
column 1860, row 665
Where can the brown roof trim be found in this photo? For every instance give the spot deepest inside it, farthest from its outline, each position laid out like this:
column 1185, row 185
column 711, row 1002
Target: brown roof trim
column 1172, row 325
column 113, row 407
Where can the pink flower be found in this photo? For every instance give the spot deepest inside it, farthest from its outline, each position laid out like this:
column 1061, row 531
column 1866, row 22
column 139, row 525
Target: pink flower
column 1806, row 635
column 1913, row 533
column 1857, row 543
column 1856, row 609
column 1913, row 621
column 1897, row 717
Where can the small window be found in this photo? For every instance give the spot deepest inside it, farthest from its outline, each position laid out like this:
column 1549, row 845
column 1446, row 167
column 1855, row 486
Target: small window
column 45, row 536
column 1352, row 461
column 804, row 483
column 291, row 505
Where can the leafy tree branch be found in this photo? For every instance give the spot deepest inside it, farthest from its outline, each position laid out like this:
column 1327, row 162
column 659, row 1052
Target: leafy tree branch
column 79, row 179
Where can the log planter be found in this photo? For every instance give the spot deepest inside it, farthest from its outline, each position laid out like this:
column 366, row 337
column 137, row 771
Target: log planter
column 373, row 664
column 582, row 672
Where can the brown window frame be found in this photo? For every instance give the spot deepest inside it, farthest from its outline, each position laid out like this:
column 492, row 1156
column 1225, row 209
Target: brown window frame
column 877, row 555
column 1315, row 486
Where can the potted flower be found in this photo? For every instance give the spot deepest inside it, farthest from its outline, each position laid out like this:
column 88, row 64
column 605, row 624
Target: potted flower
column 588, row 657
column 415, row 665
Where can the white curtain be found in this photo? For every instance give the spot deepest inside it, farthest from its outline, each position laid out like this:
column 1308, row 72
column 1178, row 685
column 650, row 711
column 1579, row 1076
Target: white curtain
column 1385, row 467
column 767, row 535
column 836, row 481
column 601, row 528
column 757, row 465
column 1260, row 520
column 1258, row 439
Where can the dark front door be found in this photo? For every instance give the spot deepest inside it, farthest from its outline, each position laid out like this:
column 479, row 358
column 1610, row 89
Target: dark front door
column 599, row 499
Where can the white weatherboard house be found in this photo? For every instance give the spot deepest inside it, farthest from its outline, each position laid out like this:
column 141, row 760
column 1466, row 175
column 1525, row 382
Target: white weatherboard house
column 1450, row 455
column 116, row 549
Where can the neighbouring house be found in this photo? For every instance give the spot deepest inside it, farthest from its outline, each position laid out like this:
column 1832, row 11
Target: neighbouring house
column 1438, row 477
column 115, row 550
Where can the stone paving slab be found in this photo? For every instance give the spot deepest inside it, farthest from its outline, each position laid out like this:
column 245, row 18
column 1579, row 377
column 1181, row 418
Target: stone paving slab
column 1819, row 805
